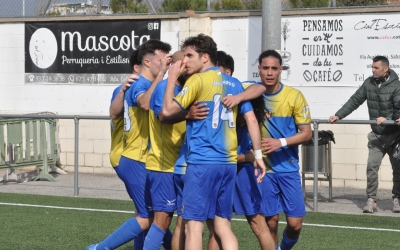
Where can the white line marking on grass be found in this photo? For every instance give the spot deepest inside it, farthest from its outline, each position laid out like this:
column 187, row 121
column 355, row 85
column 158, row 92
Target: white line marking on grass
column 346, row 227
column 234, row 219
column 334, row 226
column 68, row 208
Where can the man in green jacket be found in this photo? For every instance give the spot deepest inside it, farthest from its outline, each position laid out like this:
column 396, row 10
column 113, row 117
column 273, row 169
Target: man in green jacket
column 382, row 92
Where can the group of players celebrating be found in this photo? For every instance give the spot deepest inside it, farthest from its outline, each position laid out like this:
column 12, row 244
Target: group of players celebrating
column 204, row 144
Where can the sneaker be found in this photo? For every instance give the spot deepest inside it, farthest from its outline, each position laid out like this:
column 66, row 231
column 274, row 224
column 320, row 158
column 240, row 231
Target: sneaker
column 396, row 205
column 371, row 206
column 92, row 247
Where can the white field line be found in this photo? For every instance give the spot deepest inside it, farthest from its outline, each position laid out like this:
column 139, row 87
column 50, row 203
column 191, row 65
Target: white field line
column 334, row 226
column 234, row 219
column 69, row 208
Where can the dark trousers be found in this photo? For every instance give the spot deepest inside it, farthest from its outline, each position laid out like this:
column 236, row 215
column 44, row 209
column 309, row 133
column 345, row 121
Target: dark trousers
column 378, row 147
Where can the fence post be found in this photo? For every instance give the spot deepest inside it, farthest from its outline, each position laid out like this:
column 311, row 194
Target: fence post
column 315, row 204
column 76, row 154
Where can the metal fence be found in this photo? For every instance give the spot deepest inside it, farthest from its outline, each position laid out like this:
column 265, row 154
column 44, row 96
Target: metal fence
column 77, row 118
column 49, row 8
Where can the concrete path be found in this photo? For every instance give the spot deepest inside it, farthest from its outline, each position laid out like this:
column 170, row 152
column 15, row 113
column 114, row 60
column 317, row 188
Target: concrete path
column 345, row 200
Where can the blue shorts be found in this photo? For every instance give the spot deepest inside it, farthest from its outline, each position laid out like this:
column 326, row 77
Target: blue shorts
column 208, row 192
column 179, row 181
column 161, row 192
column 133, row 174
column 283, row 192
column 247, row 199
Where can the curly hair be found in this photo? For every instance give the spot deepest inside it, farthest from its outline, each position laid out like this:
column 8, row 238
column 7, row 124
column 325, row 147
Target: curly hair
column 259, row 108
column 202, row 44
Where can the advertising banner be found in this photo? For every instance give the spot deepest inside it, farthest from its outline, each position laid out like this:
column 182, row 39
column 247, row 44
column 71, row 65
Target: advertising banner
column 84, row 52
column 334, row 50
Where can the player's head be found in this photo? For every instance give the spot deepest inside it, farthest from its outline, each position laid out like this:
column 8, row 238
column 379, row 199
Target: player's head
column 380, row 68
column 150, row 55
column 270, row 67
column 179, row 56
column 225, row 62
column 200, row 53
column 134, row 61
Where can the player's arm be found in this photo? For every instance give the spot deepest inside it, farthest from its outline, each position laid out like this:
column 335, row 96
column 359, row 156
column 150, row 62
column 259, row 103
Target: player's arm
column 170, row 107
column 196, row 112
column 250, row 93
column 270, row 145
column 255, row 136
column 143, row 100
column 249, row 157
column 117, row 105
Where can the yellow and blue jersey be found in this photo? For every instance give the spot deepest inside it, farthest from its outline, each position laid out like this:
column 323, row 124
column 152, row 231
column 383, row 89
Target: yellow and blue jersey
column 212, row 140
column 136, row 122
column 117, row 135
column 244, row 141
column 181, row 164
column 285, row 110
column 165, row 139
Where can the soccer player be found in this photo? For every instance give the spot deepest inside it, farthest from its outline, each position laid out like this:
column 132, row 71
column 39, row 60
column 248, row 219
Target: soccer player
column 247, row 198
column 166, row 137
column 209, row 183
column 287, row 126
column 154, row 60
column 117, row 124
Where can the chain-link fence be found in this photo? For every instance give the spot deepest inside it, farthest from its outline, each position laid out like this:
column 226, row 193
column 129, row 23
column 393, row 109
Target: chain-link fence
column 36, row 8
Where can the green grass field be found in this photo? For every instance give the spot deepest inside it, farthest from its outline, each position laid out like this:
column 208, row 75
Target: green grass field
column 54, row 227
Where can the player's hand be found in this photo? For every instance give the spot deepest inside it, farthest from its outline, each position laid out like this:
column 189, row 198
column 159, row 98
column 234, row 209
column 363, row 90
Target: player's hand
column 259, row 166
column 379, row 120
column 176, row 69
column 165, row 62
column 198, row 111
column 128, row 82
column 231, row 101
column 398, row 121
column 333, row 118
column 269, row 145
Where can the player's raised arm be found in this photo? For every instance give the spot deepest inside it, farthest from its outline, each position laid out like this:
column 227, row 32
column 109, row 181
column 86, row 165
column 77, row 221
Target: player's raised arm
column 250, row 93
column 170, row 107
column 143, row 100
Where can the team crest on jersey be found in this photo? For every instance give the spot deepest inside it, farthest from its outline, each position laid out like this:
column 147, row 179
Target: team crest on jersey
column 183, row 91
column 268, row 113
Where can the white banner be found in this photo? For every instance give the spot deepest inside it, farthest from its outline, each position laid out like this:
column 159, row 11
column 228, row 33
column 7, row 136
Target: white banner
column 334, row 50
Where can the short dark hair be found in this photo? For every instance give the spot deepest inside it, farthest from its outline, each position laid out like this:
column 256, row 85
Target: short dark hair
column 382, row 59
column 226, row 61
column 134, row 60
column 150, row 47
column 202, row 44
column 269, row 53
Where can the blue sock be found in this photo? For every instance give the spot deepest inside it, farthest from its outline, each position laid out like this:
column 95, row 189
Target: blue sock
column 287, row 243
column 139, row 241
column 129, row 230
column 154, row 238
column 168, row 240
